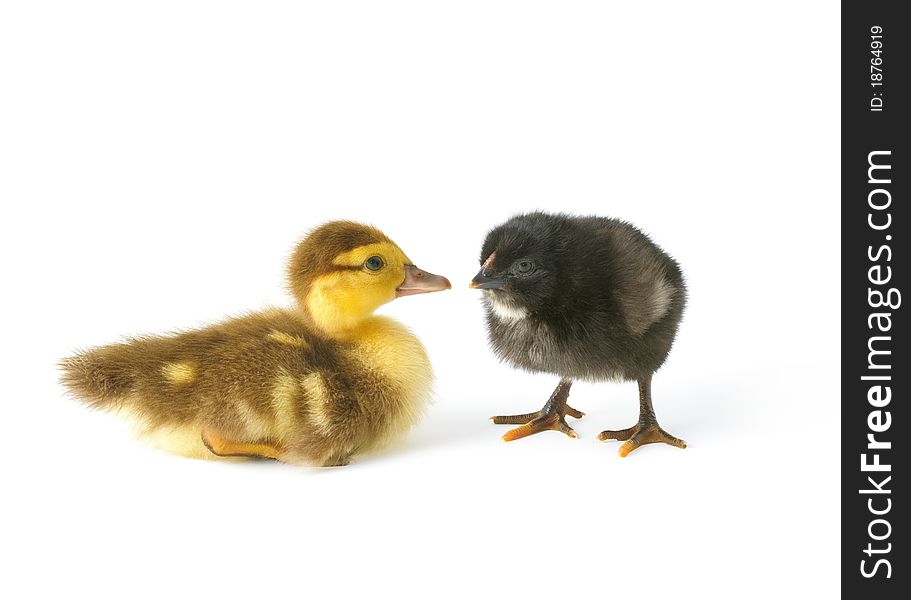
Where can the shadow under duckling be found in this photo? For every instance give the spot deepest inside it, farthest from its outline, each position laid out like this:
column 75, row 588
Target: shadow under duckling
column 315, row 384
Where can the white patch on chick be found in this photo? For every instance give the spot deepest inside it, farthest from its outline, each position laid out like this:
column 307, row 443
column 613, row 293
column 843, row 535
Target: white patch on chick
column 661, row 300
column 505, row 312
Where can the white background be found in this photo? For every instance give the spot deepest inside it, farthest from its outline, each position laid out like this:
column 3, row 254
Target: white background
column 158, row 163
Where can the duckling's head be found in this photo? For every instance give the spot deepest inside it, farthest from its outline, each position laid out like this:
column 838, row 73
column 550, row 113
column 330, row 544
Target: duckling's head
column 343, row 271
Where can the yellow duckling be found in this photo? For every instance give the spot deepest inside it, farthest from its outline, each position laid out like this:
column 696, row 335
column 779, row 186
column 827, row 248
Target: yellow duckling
column 315, row 384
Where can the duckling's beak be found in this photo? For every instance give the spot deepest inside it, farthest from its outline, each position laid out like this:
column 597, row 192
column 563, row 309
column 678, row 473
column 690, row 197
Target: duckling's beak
column 421, row 282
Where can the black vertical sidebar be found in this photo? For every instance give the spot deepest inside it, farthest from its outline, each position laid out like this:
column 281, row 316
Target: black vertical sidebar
column 875, row 367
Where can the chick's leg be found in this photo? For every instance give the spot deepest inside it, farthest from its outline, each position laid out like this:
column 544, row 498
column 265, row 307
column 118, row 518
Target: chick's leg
column 221, row 446
column 551, row 417
column 646, row 431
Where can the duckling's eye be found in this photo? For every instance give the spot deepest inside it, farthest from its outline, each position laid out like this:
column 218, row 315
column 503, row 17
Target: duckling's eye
column 525, row 266
column 374, row 263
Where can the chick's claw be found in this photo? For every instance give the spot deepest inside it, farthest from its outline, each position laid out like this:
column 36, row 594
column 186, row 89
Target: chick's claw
column 569, row 410
column 618, row 434
column 516, row 419
column 545, row 422
column 529, row 417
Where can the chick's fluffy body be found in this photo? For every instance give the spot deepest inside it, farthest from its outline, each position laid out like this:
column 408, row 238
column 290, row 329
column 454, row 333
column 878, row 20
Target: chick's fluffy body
column 602, row 303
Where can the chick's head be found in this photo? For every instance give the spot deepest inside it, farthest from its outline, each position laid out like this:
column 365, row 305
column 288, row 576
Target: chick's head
column 520, row 269
column 343, row 271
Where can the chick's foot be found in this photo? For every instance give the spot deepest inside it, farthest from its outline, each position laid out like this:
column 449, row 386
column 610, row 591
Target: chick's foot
column 646, row 432
column 551, row 417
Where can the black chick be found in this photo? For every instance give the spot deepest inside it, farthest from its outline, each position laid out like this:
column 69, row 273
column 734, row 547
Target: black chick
column 584, row 298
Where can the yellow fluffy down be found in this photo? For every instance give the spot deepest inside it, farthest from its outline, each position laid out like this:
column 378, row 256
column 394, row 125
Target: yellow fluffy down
column 389, row 348
column 183, row 440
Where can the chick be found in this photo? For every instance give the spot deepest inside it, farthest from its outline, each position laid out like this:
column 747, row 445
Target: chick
column 586, row 298
column 317, row 383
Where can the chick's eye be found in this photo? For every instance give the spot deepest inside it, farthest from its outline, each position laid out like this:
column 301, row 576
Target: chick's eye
column 525, row 266
column 374, row 263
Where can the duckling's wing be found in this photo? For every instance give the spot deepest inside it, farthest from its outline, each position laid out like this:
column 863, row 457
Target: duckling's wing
column 169, row 378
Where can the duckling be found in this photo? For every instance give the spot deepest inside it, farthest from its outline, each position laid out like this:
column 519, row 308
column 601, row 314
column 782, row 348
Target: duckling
column 588, row 298
column 314, row 384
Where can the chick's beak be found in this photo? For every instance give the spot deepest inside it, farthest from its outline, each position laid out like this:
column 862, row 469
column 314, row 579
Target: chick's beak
column 485, row 281
column 421, row 282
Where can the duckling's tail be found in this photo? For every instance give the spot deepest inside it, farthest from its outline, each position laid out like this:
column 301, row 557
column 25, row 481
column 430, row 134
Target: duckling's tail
column 137, row 381
column 101, row 377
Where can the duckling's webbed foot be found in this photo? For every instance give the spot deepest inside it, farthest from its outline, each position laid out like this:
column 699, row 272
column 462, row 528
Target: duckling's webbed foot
column 646, row 431
column 221, row 446
column 551, row 417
